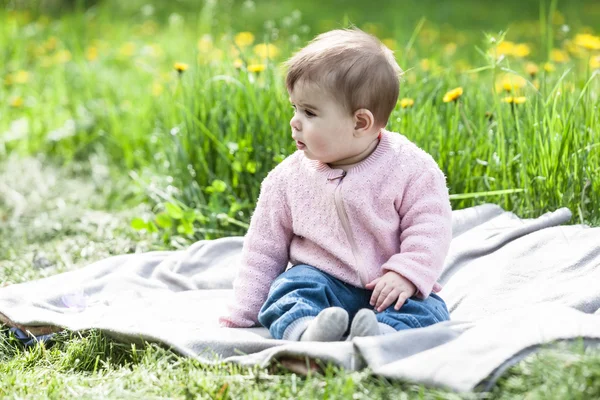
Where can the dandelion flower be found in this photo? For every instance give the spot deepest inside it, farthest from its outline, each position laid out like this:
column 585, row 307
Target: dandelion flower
column 425, row 64
column 205, row 43
column 587, row 41
column 514, row 99
column 521, row 50
column 450, row 49
column 16, row 102
column 51, row 43
column 180, row 67
column 127, row 49
column 595, row 62
column 549, row 67
column 453, row 95
column 256, row 67
column 21, row 77
column 532, row 69
column 244, row 39
column 238, row 63
column 510, row 83
column 62, row 57
column 91, row 53
column 559, row 56
column 505, row 48
column 390, row 43
column 407, row 102
column 157, row 89
column 266, row 50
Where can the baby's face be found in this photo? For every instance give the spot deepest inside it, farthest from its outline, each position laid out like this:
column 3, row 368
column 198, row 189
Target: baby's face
column 321, row 127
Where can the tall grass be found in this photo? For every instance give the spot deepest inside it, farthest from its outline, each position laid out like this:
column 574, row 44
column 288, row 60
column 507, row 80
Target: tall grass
column 89, row 82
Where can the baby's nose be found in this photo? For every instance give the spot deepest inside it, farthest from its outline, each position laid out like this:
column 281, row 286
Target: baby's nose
column 295, row 123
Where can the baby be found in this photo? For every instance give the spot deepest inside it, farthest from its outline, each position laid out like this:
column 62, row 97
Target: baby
column 361, row 214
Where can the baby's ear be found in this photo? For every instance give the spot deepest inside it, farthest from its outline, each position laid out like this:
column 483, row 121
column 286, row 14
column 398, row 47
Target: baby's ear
column 363, row 120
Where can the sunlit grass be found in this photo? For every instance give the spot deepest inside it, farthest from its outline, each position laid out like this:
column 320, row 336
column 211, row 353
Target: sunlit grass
column 209, row 109
column 188, row 116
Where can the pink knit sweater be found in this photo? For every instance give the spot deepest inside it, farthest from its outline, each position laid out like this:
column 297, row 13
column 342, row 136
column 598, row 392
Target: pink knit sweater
column 390, row 212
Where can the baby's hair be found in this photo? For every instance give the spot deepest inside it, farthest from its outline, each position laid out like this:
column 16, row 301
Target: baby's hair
column 352, row 65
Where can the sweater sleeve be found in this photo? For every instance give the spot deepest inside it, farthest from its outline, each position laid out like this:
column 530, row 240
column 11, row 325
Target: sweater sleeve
column 426, row 232
column 265, row 255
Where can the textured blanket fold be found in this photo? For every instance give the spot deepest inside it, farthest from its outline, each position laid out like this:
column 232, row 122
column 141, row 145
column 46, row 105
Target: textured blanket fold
column 511, row 284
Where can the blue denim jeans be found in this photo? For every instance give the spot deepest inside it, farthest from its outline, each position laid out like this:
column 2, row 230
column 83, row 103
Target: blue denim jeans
column 303, row 291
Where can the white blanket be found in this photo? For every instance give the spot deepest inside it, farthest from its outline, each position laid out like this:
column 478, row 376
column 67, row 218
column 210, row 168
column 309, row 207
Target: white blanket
column 511, row 284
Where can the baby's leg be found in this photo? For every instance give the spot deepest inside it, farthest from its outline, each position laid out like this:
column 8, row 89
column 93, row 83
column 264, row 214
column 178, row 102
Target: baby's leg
column 415, row 313
column 301, row 294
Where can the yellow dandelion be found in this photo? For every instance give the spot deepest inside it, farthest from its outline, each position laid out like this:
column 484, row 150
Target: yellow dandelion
column 390, row 43
column 549, row 67
column 46, row 62
column 450, row 49
column 180, row 67
column 91, row 53
column 16, row 102
column 243, row 39
column 20, row 77
column 157, row 89
column 425, row 64
column 205, row 44
column 148, row 28
column 62, row 57
column 51, row 43
column 266, row 50
column 532, row 69
column 407, row 102
column 514, row 99
column 127, row 49
column 453, row 94
column 505, row 48
column 588, row 41
column 510, row 83
column 256, row 67
column 595, row 62
column 521, row 50
column 238, row 63
column 39, row 50
column 559, row 56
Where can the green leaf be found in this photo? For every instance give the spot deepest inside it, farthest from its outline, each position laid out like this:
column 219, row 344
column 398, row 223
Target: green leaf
column 236, row 166
column 186, row 228
column 174, row 211
column 139, row 224
column 251, row 167
column 218, row 186
column 163, row 220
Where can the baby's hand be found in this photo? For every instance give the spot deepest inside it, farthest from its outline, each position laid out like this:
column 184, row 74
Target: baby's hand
column 391, row 287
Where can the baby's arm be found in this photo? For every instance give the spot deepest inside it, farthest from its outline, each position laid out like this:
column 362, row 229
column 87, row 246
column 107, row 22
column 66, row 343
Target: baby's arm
column 265, row 255
column 426, row 231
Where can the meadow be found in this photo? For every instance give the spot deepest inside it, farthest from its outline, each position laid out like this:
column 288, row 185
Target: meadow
column 133, row 126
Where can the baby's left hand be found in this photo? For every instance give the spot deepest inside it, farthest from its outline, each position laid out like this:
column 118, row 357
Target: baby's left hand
column 391, row 287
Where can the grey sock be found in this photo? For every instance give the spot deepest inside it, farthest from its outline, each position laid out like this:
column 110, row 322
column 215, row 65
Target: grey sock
column 386, row 329
column 329, row 326
column 364, row 324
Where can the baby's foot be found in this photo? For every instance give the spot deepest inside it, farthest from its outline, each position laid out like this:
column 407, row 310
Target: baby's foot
column 329, row 326
column 364, row 324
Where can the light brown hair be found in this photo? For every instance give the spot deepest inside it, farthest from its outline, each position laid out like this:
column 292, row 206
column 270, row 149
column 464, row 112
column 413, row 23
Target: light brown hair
column 352, row 65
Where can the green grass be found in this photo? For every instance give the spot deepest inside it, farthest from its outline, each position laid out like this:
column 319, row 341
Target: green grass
column 77, row 227
column 91, row 365
column 120, row 139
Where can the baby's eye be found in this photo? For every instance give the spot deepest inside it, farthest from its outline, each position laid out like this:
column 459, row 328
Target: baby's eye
column 309, row 113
